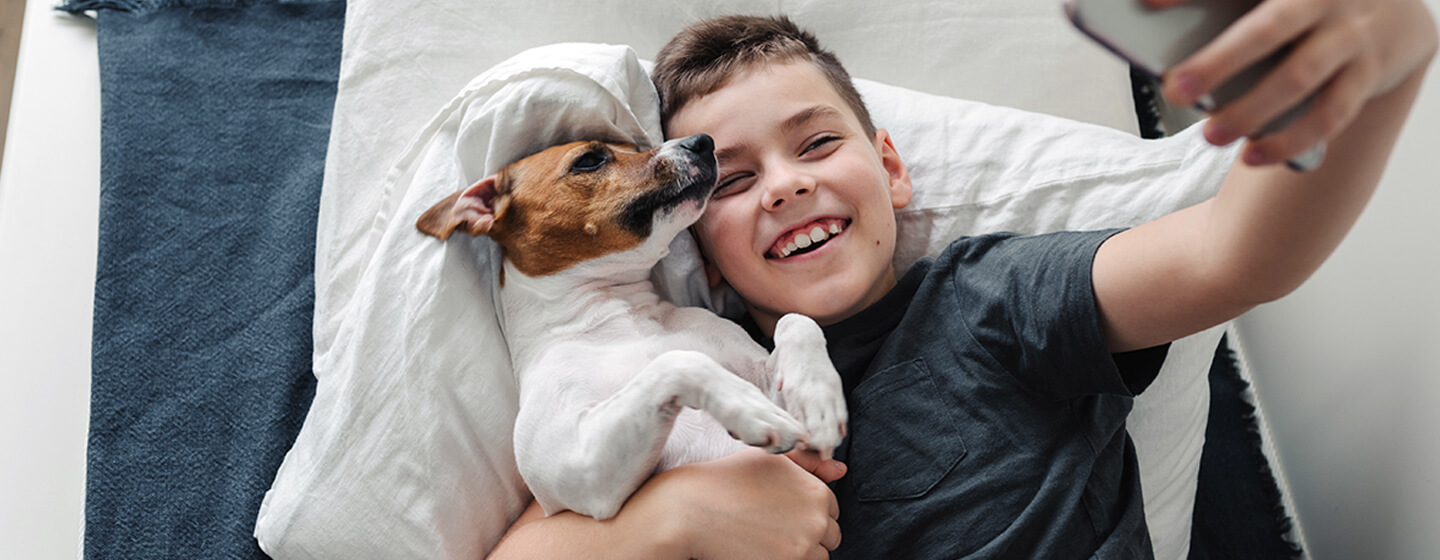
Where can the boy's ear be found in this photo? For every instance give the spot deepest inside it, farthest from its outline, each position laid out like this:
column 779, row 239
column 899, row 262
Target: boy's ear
column 900, row 187
column 472, row 210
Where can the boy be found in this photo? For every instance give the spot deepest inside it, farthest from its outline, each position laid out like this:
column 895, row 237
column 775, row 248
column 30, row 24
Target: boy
column 988, row 388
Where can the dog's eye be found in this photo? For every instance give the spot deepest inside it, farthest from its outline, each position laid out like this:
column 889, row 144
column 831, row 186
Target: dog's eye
column 589, row 161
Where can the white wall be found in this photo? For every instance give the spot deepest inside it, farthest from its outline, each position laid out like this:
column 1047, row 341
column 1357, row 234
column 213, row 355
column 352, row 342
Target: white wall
column 49, row 204
column 1348, row 367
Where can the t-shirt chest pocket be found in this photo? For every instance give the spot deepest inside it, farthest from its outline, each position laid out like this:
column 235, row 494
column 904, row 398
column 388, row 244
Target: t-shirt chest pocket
column 903, row 435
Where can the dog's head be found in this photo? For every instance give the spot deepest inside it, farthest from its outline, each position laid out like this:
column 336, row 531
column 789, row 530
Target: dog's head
column 582, row 201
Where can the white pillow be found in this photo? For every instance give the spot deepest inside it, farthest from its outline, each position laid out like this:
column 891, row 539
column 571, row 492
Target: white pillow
column 406, row 451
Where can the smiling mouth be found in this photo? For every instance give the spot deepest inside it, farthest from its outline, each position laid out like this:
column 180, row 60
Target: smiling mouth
column 806, row 238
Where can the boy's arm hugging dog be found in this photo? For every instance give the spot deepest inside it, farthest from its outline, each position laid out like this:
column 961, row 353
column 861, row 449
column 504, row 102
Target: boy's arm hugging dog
column 1003, row 418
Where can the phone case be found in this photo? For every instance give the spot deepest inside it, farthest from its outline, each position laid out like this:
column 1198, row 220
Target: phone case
column 1155, row 40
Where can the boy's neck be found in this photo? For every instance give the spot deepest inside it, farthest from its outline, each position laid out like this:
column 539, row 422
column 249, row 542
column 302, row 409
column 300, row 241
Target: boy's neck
column 766, row 320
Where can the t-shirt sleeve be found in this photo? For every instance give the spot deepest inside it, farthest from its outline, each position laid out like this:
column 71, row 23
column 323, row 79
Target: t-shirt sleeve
column 1029, row 302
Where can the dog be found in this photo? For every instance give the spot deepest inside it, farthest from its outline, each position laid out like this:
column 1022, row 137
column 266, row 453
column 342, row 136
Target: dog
column 612, row 378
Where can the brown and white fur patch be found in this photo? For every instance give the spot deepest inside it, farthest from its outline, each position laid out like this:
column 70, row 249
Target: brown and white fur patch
column 612, row 378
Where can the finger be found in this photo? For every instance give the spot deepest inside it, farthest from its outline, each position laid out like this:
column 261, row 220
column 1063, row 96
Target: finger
column 1257, row 34
column 1312, row 64
column 1331, row 112
column 831, row 540
column 807, row 459
column 830, row 470
column 827, row 470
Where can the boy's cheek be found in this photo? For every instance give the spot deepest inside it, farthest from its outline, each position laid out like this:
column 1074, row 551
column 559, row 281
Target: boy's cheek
column 713, row 277
column 704, row 240
column 713, row 226
column 726, row 234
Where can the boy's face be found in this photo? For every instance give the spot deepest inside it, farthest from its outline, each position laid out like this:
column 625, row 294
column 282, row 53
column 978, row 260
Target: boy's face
column 803, row 219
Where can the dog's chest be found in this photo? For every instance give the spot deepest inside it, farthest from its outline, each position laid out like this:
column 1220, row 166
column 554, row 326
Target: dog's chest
column 615, row 350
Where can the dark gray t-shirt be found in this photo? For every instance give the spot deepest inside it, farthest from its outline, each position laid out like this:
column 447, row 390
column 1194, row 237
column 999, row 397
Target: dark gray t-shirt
column 987, row 415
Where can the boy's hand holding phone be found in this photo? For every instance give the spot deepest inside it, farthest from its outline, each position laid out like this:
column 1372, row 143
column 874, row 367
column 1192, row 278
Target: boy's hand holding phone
column 1346, row 52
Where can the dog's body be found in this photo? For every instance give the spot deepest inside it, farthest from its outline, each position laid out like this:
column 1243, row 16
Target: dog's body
column 612, row 378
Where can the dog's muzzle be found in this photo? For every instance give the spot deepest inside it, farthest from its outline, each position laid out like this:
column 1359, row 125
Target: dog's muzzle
column 691, row 163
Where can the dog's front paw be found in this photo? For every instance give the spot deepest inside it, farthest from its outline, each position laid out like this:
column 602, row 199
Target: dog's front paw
column 808, row 383
column 817, row 400
column 752, row 418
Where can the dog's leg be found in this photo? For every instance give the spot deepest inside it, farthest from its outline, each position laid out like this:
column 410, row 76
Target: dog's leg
column 809, row 386
column 592, row 459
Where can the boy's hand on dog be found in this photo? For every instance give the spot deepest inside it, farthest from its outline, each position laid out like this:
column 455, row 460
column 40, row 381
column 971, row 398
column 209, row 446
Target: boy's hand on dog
column 1347, row 52
column 749, row 505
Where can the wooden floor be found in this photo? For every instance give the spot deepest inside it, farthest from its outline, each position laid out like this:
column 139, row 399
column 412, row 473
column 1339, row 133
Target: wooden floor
column 12, row 15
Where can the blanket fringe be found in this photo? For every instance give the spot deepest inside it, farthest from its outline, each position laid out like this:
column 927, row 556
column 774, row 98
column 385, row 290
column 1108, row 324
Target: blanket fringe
column 79, row 7
column 140, row 7
column 1256, row 436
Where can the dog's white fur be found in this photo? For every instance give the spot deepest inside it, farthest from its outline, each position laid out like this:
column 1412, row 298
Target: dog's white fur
column 612, row 378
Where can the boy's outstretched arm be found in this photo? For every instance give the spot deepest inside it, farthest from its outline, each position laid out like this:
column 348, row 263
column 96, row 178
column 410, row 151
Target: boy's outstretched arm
column 1269, row 228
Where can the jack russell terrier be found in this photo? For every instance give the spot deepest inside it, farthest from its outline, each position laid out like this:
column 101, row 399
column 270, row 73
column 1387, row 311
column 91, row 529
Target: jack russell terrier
column 612, row 377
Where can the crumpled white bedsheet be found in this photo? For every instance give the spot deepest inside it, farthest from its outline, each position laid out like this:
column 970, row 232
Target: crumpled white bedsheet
column 406, row 449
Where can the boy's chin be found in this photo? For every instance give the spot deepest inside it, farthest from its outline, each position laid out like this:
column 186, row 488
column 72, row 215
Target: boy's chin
column 824, row 315
column 827, row 300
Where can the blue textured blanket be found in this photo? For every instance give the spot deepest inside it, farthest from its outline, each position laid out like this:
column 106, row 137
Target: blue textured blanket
column 215, row 120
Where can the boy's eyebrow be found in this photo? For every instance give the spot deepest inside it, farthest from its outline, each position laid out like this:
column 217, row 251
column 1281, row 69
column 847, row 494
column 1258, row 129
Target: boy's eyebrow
column 795, row 121
column 729, row 152
column 808, row 114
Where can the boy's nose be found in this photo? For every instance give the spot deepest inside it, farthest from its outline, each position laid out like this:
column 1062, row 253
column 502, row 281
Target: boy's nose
column 786, row 186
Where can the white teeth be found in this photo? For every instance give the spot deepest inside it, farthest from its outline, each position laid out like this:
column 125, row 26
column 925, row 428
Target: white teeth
column 803, row 240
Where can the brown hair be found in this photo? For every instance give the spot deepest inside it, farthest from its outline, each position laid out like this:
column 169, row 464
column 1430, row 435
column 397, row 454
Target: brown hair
column 703, row 56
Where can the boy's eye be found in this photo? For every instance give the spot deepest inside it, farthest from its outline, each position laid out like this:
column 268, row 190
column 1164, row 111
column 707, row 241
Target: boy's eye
column 589, row 161
column 731, row 184
column 820, row 142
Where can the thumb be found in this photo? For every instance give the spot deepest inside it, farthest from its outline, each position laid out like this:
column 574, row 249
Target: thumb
column 827, row 470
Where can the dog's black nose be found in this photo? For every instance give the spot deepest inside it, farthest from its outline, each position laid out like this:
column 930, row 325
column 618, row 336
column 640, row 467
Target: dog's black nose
column 699, row 143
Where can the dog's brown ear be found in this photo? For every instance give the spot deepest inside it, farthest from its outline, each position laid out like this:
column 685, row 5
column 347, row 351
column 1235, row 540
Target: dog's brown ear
column 471, row 210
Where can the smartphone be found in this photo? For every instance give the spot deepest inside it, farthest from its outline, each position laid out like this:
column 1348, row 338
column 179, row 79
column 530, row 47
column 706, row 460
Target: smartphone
column 1156, row 39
